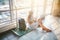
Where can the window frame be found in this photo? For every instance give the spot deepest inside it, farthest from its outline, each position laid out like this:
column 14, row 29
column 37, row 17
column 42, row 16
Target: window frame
column 7, row 22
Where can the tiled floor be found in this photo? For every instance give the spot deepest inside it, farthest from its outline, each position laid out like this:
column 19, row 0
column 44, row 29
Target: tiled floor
column 9, row 35
column 39, row 35
column 33, row 35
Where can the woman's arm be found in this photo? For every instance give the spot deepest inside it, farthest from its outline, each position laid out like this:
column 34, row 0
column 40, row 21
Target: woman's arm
column 29, row 20
column 43, row 27
column 30, row 17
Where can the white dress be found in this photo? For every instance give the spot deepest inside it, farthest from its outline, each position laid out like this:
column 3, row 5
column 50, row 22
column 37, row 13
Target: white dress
column 51, row 23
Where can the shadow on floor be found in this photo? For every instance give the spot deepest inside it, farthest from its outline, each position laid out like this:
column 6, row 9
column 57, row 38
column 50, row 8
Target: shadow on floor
column 8, row 35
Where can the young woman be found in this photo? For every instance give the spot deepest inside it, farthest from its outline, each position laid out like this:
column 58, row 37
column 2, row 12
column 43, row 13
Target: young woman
column 32, row 21
column 50, row 24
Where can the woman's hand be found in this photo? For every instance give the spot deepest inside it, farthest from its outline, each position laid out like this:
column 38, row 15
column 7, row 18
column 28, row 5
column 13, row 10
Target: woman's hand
column 46, row 29
column 39, row 21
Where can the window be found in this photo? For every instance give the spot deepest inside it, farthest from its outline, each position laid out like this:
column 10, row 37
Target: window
column 21, row 7
column 42, row 7
column 5, row 13
column 49, row 6
column 9, row 8
column 39, row 7
column 4, row 2
column 22, row 3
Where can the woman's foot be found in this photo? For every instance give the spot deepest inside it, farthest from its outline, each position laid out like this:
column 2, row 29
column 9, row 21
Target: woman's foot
column 46, row 29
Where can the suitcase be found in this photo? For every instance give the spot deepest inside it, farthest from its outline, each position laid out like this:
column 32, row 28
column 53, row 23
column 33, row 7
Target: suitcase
column 22, row 25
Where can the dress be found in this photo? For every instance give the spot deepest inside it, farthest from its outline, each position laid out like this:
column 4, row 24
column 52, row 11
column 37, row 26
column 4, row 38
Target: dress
column 53, row 23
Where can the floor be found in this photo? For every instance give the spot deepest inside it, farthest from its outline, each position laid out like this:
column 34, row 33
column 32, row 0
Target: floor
column 39, row 35
column 9, row 35
column 33, row 35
